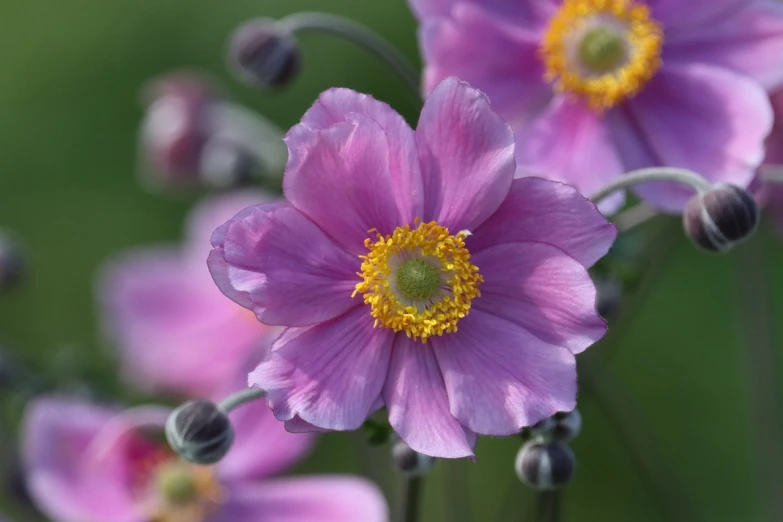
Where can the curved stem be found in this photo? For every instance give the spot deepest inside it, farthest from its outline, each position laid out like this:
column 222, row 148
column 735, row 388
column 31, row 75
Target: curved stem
column 634, row 216
column 409, row 500
column 683, row 176
column 241, row 397
column 360, row 35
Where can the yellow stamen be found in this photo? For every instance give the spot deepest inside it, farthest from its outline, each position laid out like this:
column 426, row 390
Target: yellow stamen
column 563, row 52
column 422, row 318
column 198, row 495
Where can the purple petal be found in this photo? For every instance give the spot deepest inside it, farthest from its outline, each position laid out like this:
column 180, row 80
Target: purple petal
column 500, row 377
column 467, row 45
column 170, row 324
column 308, row 499
column 693, row 15
column 703, row 118
column 540, row 288
column 545, row 211
column 331, row 374
column 341, row 179
column 336, row 105
column 67, row 479
column 418, row 405
column 467, row 156
column 532, row 14
column 591, row 160
column 278, row 263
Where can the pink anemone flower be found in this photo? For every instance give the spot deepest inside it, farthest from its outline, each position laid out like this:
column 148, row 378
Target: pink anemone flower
column 174, row 331
column 414, row 272
column 618, row 84
column 86, row 463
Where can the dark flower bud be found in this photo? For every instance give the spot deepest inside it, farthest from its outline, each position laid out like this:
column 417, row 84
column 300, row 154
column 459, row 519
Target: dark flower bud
column 263, row 54
column 410, row 463
column 563, row 426
column 545, row 465
column 13, row 264
column 199, row 432
column 609, row 293
column 721, row 217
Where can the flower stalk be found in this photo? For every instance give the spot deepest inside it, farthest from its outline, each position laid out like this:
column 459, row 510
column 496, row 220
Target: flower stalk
column 635, row 177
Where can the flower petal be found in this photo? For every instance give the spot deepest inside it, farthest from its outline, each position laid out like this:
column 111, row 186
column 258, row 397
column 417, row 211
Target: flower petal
column 570, row 142
column 466, row 45
column 532, row 14
column 703, row 118
column 335, row 105
column 545, row 211
column 331, row 374
column 276, row 262
column 540, row 288
column 341, row 179
column 418, row 405
column 305, row 499
column 694, row 14
column 500, row 377
column 467, row 156
column 749, row 41
column 63, row 476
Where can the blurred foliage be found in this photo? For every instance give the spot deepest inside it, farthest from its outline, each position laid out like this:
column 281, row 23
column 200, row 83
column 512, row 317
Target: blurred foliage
column 69, row 99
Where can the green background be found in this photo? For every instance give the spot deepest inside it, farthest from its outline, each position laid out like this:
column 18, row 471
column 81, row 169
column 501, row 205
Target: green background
column 681, row 371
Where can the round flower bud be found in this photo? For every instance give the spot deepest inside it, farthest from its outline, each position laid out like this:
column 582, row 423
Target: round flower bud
column 12, row 263
column 199, row 432
column 409, row 462
column 720, row 218
column 563, row 426
column 263, row 54
column 545, row 465
column 609, row 292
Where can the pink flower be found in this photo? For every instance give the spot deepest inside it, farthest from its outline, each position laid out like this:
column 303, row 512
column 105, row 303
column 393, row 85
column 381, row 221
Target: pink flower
column 413, row 271
column 86, row 463
column 174, row 330
column 770, row 193
column 619, row 84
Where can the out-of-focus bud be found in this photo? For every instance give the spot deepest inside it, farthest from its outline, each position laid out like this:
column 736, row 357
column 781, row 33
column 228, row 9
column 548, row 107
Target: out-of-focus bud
column 563, row 426
column 609, row 293
column 199, row 432
column 12, row 262
column 264, row 54
column 545, row 465
column 192, row 137
column 410, row 463
column 721, row 217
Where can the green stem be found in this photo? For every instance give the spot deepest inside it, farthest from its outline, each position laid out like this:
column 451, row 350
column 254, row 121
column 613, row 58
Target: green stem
column 410, row 499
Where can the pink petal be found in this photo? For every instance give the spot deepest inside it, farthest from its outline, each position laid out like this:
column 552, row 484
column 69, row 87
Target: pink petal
column 335, row 105
column 749, row 41
column 277, row 262
column 341, row 179
column 692, row 15
column 418, row 405
column 467, row 156
column 703, row 118
column 532, row 14
column 467, row 45
column 330, row 374
column 64, row 476
column 545, row 211
column 170, row 324
column 500, row 378
column 262, row 445
column 540, row 288
column 570, row 142
column 307, row 499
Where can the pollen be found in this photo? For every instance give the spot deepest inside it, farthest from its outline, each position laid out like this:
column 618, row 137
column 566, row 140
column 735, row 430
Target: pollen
column 418, row 280
column 602, row 51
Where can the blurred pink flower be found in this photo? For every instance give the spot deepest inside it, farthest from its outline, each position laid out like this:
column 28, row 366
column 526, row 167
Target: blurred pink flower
column 464, row 321
column 618, row 84
column 86, row 463
column 175, row 332
column 770, row 193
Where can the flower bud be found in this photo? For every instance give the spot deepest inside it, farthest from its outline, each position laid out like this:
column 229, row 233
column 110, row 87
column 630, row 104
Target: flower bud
column 199, row 432
column 12, row 263
column 563, row 426
column 545, row 465
column 609, row 293
column 721, row 217
column 410, row 463
column 263, row 54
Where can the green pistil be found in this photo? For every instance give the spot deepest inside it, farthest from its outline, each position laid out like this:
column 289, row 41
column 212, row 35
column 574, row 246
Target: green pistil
column 175, row 483
column 418, row 279
column 602, row 49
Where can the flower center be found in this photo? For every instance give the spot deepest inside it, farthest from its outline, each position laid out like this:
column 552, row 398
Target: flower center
column 603, row 51
column 185, row 492
column 419, row 281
